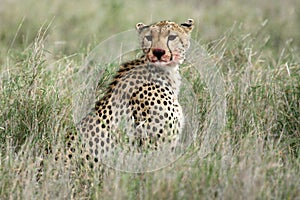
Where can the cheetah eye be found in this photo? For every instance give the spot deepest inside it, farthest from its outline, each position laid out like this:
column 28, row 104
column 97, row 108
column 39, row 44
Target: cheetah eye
column 149, row 38
column 172, row 37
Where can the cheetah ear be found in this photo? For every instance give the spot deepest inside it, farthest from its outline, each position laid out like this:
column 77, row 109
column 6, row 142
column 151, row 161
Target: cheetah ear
column 139, row 26
column 188, row 25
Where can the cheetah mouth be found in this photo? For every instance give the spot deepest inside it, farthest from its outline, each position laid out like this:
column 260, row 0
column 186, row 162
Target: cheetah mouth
column 162, row 62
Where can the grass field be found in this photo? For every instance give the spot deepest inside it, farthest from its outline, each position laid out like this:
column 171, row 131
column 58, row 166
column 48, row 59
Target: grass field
column 255, row 47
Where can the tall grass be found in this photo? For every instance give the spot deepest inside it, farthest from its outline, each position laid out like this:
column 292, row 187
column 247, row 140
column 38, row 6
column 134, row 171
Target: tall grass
column 256, row 48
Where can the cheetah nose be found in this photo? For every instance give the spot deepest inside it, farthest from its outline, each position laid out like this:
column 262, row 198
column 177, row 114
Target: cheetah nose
column 158, row 53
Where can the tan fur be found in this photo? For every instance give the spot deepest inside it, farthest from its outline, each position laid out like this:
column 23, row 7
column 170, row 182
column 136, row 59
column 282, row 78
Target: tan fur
column 140, row 110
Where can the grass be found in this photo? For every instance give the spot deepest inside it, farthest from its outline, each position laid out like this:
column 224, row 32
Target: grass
column 255, row 46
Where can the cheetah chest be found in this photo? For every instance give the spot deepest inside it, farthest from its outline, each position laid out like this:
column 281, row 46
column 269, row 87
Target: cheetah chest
column 140, row 113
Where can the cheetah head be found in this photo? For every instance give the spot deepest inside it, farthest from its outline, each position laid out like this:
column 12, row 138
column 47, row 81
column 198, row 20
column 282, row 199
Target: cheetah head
column 165, row 43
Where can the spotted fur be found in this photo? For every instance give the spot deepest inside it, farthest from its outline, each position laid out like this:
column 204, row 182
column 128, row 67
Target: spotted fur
column 140, row 111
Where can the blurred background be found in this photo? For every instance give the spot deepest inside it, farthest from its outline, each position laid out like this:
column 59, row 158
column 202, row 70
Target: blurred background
column 81, row 24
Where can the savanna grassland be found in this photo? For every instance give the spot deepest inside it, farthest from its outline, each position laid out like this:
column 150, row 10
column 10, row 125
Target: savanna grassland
column 255, row 48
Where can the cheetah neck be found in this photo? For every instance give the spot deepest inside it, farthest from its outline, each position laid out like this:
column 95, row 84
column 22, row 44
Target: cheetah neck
column 172, row 69
column 174, row 76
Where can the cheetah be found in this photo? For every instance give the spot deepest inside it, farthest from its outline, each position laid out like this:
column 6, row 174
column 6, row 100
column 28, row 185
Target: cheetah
column 139, row 111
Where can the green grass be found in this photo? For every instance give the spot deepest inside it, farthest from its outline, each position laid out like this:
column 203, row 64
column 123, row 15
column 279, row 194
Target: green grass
column 255, row 46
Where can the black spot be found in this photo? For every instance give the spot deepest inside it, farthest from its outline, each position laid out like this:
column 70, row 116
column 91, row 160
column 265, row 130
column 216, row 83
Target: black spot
column 124, row 86
column 107, row 140
column 91, row 165
column 102, row 144
column 131, row 83
column 93, row 133
column 91, row 127
column 134, row 113
column 96, row 140
column 91, row 143
column 102, row 134
column 165, row 103
column 158, row 101
column 97, row 122
column 141, row 96
column 96, row 159
column 97, row 129
column 104, row 111
column 98, row 104
column 103, row 126
column 156, row 120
